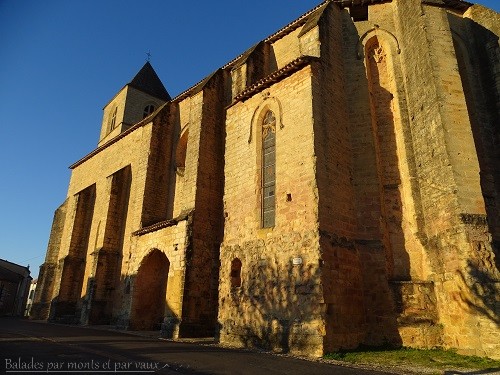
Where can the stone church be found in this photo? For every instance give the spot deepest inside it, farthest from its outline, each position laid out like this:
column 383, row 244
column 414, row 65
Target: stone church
column 336, row 185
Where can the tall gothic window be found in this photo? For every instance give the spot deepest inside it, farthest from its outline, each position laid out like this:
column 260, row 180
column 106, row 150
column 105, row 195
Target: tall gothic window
column 268, row 170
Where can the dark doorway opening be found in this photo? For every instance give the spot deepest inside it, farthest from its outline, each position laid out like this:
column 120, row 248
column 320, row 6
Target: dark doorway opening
column 149, row 293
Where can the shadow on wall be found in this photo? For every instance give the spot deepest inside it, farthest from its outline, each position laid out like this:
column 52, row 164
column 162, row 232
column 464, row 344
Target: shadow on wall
column 146, row 292
column 276, row 308
column 66, row 306
column 149, row 292
column 380, row 255
column 383, row 104
column 481, row 291
column 478, row 57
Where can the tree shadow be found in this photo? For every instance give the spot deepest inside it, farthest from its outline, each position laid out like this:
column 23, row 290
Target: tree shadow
column 477, row 52
column 276, row 307
column 481, row 291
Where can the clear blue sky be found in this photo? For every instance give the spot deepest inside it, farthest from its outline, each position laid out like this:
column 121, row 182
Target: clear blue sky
column 61, row 61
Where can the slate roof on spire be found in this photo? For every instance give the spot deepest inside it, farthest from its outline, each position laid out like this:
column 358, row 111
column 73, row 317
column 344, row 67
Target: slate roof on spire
column 147, row 81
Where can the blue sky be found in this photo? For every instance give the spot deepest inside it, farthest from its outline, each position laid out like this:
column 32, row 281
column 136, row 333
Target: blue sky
column 61, row 61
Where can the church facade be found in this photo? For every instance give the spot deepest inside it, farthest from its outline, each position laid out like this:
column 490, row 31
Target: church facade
column 336, row 185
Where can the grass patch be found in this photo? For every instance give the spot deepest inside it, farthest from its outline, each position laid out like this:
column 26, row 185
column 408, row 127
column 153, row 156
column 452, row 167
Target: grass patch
column 433, row 358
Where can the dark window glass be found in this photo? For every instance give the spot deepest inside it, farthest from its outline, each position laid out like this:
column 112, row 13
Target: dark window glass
column 113, row 119
column 268, row 170
column 148, row 110
column 236, row 273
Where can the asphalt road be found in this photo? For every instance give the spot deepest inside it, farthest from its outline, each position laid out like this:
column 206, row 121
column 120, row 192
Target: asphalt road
column 28, row 347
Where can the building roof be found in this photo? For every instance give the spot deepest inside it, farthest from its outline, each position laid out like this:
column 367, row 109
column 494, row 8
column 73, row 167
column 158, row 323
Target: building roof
column 265, row 82
column 12, row 272
column 459, row 5
column 10, row 276
column 146, row 80
column 453, row 4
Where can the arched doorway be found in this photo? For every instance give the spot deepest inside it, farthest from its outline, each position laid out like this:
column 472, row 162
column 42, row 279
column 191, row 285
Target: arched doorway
column 148, row 301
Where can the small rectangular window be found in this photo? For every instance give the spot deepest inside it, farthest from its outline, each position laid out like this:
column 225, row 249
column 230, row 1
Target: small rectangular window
column 359, row 12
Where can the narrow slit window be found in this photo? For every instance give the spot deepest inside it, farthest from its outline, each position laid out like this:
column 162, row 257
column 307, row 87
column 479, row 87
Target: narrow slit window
column 268, row 188
column 236, row 273
column 112, row 122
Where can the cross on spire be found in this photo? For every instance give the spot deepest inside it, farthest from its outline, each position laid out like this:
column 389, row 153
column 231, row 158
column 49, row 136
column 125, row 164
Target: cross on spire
column 148, row 54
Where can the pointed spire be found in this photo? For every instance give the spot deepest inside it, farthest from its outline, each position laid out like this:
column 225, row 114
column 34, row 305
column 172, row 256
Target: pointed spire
column 147, row 81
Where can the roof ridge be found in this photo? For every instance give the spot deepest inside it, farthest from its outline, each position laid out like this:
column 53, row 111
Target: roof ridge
column 280, row 32
column 265, row 82
column 284, row 28
column 294, row 24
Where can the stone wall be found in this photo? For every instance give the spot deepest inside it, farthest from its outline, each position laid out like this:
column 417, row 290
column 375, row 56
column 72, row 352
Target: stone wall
column 341, row 277
column 203, row 182
column 47, row 275
column 448, row 170
column 173, row 241
column 118, row 103
column 107, row 260
column 387, row 200
column 71, row 267
column 277, row 304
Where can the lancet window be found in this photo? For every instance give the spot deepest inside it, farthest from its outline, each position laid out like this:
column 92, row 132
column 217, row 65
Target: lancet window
column 268, row 170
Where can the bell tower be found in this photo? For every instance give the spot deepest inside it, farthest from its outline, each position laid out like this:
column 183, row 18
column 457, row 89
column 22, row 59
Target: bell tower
column 134, row 102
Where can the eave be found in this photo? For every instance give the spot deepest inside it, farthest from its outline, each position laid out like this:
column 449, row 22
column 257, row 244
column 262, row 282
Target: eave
column 277, row 76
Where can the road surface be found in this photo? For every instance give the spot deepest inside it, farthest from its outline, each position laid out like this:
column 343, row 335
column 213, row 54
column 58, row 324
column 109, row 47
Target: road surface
column 29, row 347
